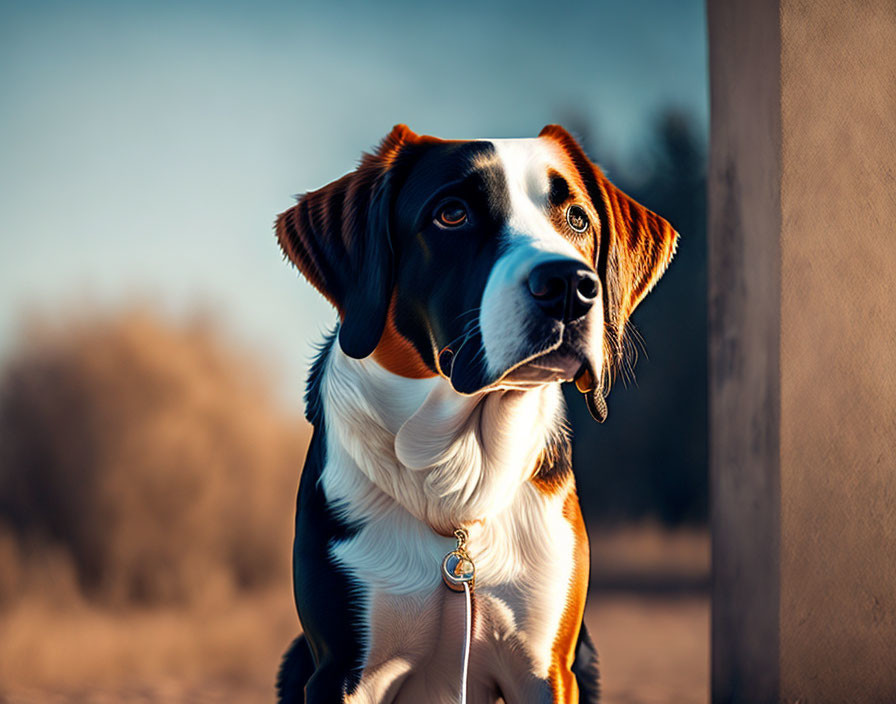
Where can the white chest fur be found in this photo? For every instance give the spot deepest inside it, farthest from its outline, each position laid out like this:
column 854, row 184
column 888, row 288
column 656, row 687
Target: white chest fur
column 411, row 459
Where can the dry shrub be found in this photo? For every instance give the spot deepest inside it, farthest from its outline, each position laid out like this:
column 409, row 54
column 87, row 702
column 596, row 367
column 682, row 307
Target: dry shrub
column 142, row 462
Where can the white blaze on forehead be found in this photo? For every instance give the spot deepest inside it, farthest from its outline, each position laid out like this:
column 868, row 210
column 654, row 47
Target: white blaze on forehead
column 525, row 164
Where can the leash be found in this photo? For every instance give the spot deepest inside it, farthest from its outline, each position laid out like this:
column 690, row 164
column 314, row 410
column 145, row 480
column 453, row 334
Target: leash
column 459, row 573
column 468, row 632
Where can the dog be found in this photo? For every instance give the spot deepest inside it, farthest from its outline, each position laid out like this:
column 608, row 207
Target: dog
column 471, row 278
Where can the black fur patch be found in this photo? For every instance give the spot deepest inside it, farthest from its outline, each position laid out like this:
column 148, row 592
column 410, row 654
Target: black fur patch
column 559, row 192
column 326, row 597
column 441, row 274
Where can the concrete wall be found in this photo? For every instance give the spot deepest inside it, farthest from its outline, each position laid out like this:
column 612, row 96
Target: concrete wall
column 803, row 350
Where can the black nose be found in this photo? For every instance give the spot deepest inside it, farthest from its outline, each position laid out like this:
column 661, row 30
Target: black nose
column 563, row 288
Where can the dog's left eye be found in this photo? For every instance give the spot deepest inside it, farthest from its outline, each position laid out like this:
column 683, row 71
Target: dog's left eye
column 577, row 218
column 452, row 213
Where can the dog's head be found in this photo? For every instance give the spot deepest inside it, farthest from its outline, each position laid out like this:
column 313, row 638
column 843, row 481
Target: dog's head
column 495, row 263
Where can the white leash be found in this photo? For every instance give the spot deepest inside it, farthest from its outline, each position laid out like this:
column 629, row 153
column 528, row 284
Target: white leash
column 468, row 633
column 458, row 573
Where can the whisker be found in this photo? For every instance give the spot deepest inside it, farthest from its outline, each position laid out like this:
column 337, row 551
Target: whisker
column 467, row 330
column 467, row 312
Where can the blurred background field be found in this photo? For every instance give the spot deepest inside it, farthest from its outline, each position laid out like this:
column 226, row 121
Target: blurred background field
column 147, row 479
column 153, row 343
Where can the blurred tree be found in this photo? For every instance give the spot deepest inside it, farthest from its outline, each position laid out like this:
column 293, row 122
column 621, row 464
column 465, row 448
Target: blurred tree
column 150, row 454
column 650, row 457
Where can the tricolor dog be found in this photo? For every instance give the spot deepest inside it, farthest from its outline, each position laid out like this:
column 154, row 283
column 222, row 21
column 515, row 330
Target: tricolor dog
column 471, row 279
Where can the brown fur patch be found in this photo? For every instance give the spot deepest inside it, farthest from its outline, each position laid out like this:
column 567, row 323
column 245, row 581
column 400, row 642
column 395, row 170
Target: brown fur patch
column 577, row 194
column 560, row 673
column 396, row 353
column 552, row 473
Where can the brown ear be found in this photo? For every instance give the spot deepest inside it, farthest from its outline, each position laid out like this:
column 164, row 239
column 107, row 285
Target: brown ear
column 634, row 247
column 338, row 237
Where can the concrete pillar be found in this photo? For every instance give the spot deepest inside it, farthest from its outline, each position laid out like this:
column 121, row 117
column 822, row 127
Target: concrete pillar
column 802, row 272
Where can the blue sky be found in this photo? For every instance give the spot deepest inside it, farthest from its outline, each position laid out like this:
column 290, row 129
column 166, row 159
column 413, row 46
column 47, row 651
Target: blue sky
column 145, row 148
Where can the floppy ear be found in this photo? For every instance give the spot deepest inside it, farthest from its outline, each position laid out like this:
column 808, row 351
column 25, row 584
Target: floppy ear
column 634, row 247
column 640, row 244
column 338, row 237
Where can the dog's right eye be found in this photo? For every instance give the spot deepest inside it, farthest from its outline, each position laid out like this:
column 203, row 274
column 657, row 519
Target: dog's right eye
column 577, row 218
column 452, row 213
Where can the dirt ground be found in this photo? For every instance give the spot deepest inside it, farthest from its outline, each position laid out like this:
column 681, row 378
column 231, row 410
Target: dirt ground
column 653, row 650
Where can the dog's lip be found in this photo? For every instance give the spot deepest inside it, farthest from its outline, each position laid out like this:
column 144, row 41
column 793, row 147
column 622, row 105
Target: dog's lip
column 571, row 366
column 559, row 363
column 445, row 362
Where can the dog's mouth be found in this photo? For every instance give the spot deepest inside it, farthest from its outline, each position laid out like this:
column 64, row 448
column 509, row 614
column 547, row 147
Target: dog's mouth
column 559, row 359
column 562, row 361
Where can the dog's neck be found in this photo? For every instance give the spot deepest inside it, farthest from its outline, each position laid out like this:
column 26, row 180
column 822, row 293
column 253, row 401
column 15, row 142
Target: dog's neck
column 448, row 459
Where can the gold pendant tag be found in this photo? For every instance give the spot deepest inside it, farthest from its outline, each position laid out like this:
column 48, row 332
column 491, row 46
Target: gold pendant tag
column 457, row 567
